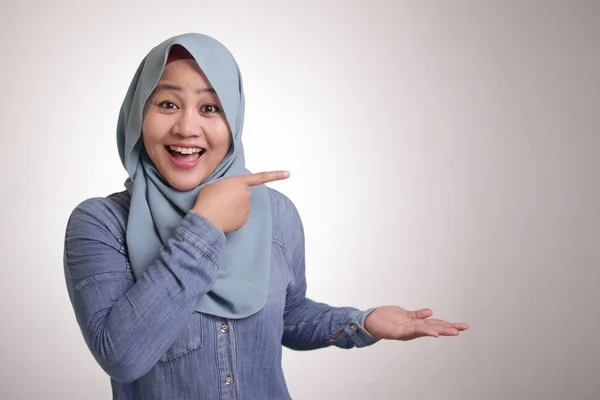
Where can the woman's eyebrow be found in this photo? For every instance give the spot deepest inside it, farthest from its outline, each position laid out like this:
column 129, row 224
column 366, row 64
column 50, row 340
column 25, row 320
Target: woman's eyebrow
column 168, row 86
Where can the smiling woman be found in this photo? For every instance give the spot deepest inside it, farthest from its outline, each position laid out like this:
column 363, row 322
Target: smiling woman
column 187, row 284
column 184, row 129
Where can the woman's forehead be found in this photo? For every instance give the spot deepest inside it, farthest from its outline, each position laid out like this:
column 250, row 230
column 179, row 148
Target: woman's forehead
column 184, row 76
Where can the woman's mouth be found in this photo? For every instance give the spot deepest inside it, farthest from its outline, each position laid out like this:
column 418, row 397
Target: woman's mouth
column 185, row 157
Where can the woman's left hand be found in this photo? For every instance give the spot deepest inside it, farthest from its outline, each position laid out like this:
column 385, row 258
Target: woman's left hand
column 396, row 323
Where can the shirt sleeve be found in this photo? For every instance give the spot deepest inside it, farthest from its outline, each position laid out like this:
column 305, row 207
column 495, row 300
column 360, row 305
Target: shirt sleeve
column 127, row 324
column 309, row 324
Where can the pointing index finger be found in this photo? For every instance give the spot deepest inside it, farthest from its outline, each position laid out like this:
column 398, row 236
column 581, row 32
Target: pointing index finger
column 260, row 178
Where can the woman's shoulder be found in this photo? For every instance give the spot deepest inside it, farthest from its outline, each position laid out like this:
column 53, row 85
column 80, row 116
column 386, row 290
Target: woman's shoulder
column 287, row 224
column 111, row 213
column 282, row 206
column 107, row 213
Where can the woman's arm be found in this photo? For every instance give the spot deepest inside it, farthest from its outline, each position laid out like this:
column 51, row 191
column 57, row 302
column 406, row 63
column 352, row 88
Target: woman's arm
column 312, row 325
column 128, row 325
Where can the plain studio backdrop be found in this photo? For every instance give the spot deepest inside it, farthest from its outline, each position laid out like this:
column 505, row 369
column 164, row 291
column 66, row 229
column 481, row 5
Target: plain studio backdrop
column 443, row 154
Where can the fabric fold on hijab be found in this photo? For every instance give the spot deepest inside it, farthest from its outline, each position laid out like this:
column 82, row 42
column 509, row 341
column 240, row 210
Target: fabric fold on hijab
column 156, row 208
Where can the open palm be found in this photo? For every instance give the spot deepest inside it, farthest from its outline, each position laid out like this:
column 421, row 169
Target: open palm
column 393, row 322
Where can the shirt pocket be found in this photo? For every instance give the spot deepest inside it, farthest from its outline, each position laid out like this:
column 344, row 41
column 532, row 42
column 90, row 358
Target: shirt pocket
column 190, row 340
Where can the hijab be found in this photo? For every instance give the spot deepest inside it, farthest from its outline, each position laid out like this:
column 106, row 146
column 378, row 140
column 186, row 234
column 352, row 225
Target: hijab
column 156, row 208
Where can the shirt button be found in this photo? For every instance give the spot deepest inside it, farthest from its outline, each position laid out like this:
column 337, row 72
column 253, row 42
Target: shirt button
column 228, row 380
column 354, row 327
column 224, row 328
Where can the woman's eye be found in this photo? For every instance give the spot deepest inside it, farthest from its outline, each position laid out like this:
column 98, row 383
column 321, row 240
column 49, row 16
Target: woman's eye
column 210, row 108
column 169, row 105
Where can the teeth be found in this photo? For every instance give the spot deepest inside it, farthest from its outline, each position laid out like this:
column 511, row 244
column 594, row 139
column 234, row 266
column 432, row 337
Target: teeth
column 186, row 150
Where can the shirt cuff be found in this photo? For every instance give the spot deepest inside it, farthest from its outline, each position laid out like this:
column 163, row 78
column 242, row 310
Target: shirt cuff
column 354, row 333
column 201, row 233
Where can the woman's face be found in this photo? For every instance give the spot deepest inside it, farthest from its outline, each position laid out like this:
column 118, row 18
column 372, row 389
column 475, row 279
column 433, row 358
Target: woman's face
column 184, row 128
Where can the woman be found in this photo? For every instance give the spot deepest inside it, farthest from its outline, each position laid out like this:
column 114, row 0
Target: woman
column 187, row 284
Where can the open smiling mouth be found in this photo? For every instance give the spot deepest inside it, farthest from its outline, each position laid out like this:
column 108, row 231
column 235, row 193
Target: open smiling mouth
column 185, row 156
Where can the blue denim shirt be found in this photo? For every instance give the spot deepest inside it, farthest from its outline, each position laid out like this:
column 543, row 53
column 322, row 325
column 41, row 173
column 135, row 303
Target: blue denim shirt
column 145, row 334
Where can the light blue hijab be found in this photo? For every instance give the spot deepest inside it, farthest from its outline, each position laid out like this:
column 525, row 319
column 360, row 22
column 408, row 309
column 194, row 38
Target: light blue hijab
column 157, row 208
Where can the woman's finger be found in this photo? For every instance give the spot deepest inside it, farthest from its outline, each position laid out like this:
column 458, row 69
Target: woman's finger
column 461, row 326
column 443, row 327
column 431, row 332
column 437, row 321
column 448, row 332
column 429, row 327
column 421, row 314
column 261, row 178
column 424, row 330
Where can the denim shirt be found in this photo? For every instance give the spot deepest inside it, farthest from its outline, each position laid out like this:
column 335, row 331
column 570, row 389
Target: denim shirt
column 145, row 333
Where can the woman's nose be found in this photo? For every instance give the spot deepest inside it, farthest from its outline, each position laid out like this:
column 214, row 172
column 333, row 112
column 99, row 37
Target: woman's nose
column 189, row 124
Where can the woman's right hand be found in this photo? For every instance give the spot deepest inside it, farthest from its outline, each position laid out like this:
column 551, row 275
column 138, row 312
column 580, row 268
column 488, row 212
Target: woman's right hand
column 226, row 203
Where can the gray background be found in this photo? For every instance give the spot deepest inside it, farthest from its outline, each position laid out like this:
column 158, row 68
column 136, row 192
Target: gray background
column 443, row 154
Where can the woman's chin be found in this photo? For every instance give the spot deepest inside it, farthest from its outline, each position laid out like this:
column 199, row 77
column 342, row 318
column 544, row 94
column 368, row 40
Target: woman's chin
column 183, row 179
column 184, row 185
